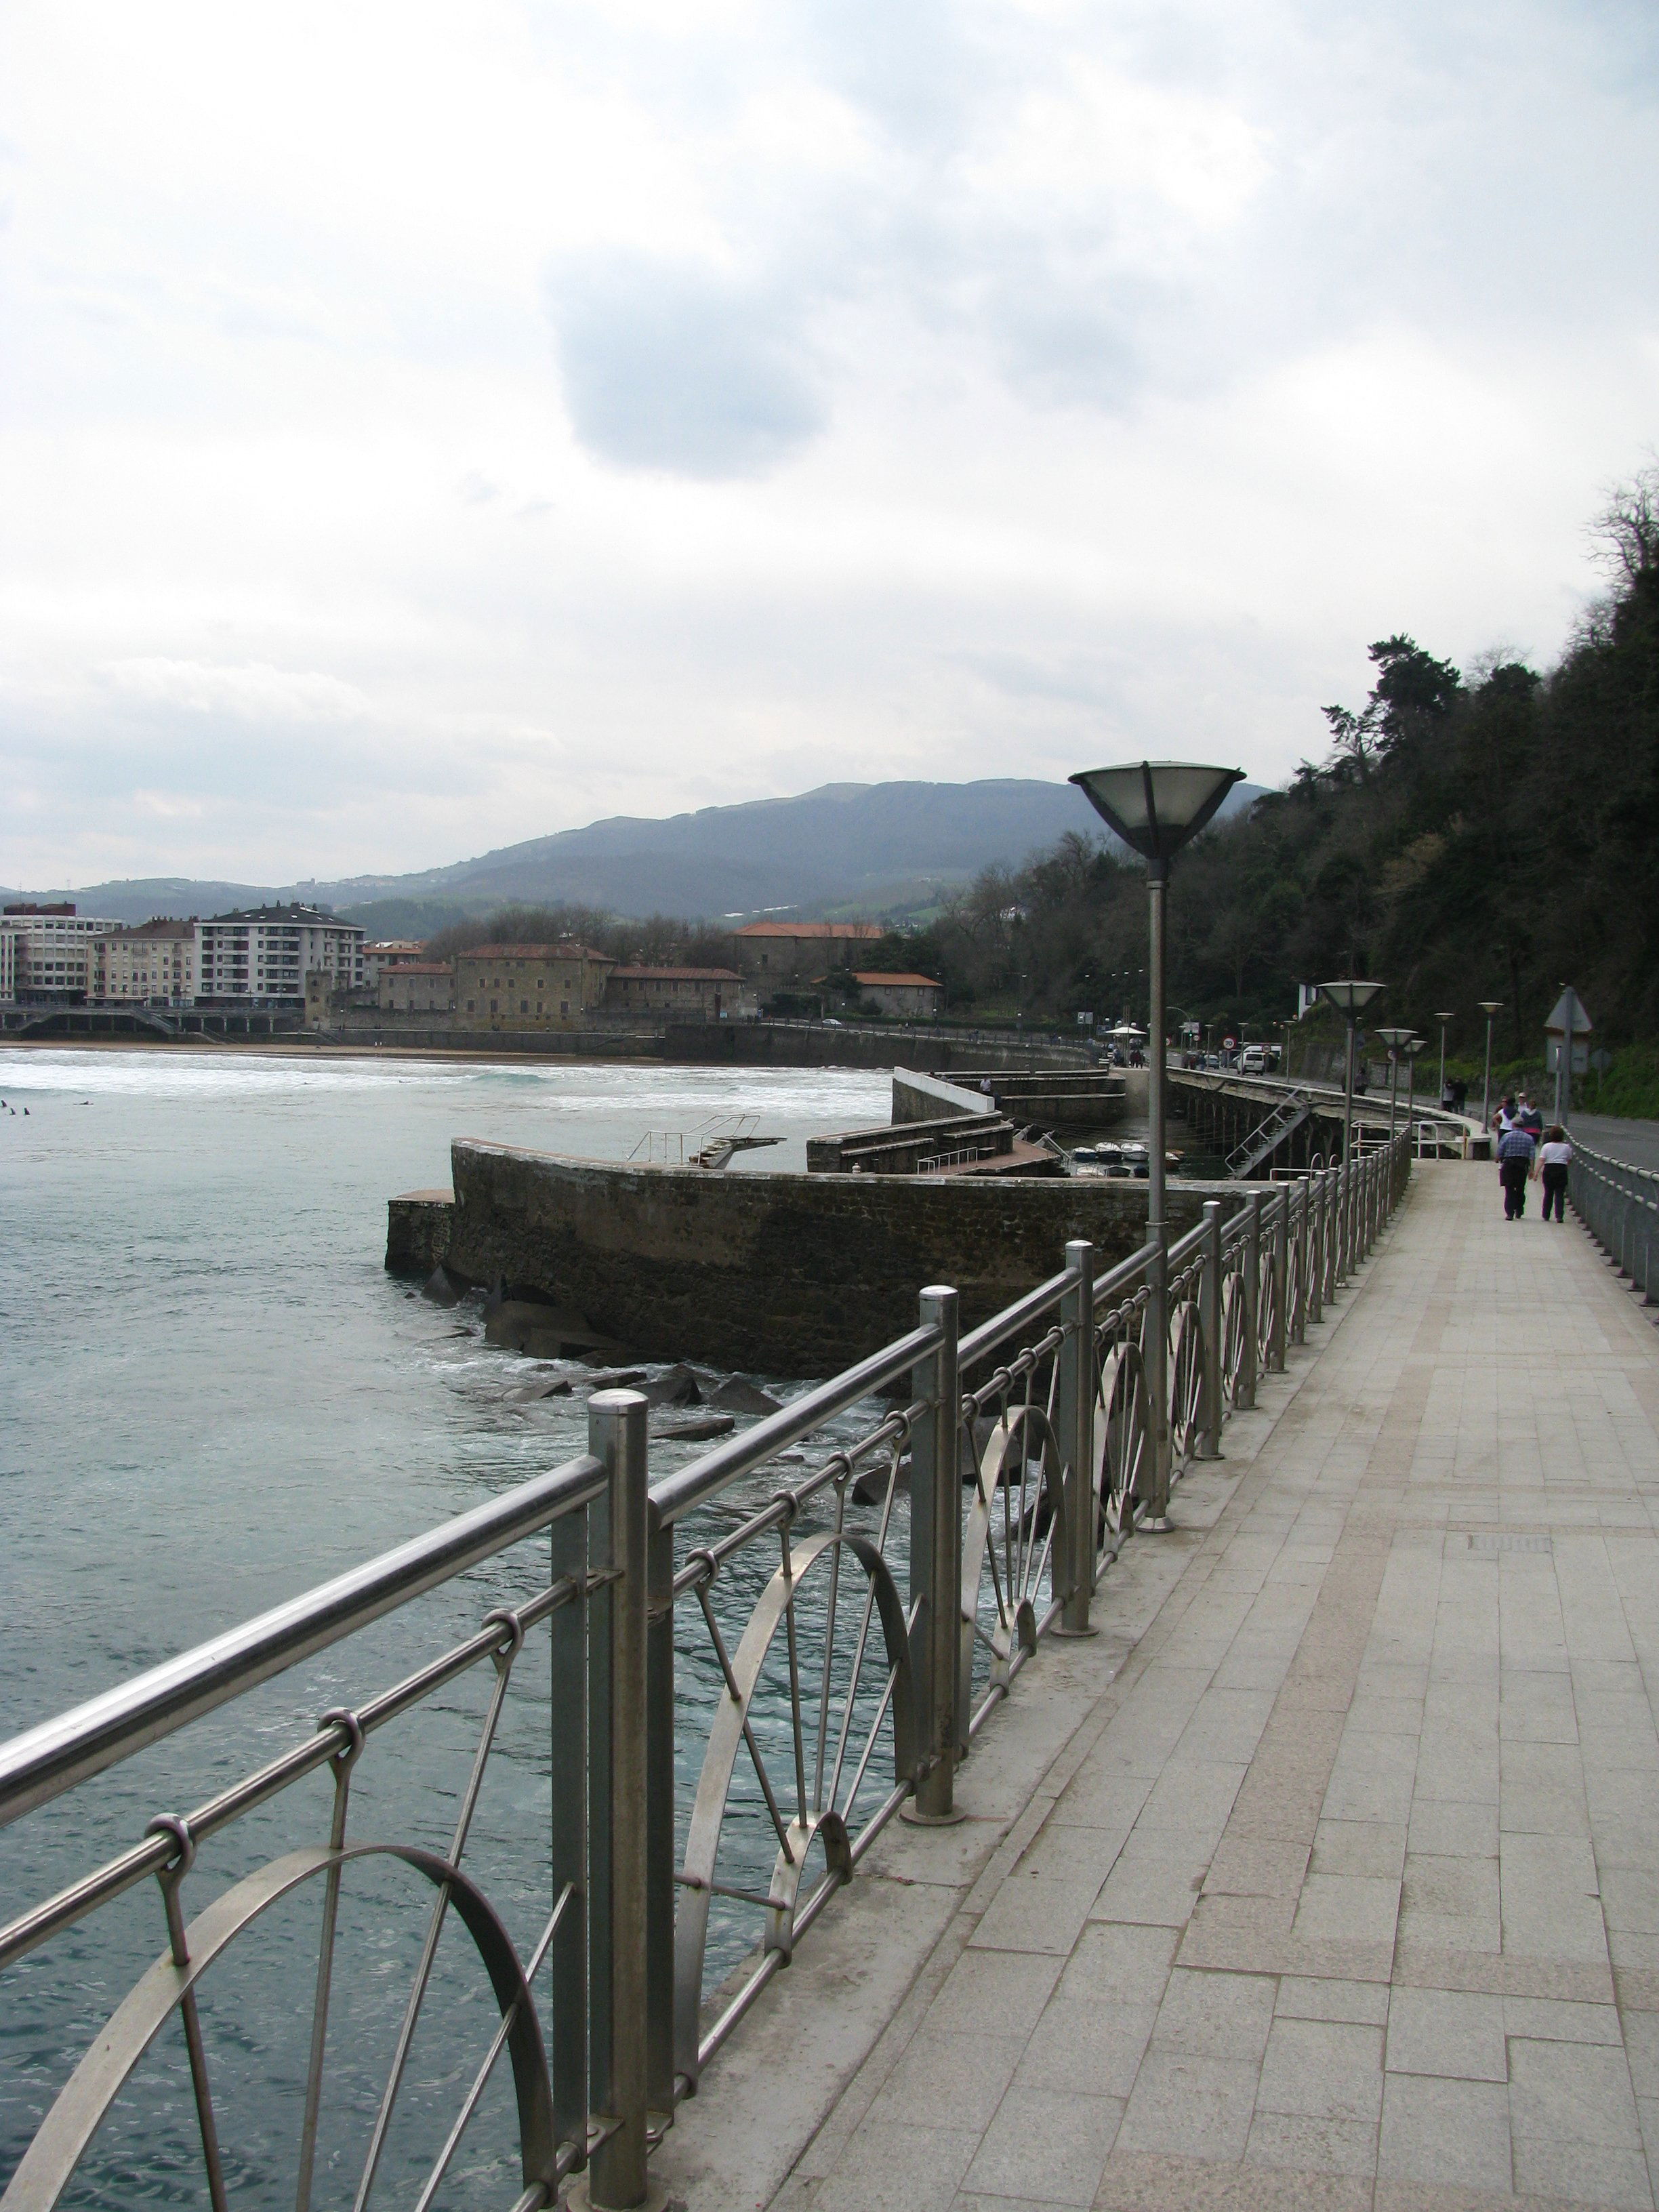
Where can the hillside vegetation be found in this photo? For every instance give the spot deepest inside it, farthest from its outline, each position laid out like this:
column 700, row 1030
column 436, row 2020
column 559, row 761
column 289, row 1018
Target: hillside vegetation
column 1486, row 836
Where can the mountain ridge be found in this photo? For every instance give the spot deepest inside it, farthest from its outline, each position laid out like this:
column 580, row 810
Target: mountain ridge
column 888, row 847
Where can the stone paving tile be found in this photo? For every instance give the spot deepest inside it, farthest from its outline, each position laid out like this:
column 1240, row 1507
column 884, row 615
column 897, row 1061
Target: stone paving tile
column 1323, row 2071
column 1456, row 2034
column 1047, row 2145
column 1454, row 2134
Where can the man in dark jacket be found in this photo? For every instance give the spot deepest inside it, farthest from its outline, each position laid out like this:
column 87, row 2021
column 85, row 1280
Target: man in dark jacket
column 1514, row 1151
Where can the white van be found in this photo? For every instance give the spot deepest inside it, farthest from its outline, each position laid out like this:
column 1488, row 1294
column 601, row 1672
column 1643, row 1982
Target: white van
column 1253, row 1061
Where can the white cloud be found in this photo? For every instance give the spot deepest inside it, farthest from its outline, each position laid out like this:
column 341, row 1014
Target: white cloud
column 428, row 429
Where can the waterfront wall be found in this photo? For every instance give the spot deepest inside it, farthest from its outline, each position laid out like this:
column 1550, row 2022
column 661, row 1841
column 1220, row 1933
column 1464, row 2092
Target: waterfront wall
column 809, row 1044
column 918, row 1098
column 780, row 1274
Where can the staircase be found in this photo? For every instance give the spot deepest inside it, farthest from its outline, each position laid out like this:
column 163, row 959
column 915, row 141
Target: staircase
column 1244, row 1159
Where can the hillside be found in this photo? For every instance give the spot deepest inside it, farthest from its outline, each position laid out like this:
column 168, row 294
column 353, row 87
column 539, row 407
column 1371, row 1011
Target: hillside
column 881, row 848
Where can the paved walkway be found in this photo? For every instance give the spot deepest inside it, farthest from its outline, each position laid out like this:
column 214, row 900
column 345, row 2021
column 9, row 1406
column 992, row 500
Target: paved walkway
column 1345, row 1893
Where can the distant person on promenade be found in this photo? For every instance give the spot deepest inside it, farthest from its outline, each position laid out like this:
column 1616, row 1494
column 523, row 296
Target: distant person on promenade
column 1515, row 1157
column 1529, row 1117
column 1503, row 1120
column 1555, row 1156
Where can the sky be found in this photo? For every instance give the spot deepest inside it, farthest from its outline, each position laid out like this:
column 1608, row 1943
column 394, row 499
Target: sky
column 423, row 428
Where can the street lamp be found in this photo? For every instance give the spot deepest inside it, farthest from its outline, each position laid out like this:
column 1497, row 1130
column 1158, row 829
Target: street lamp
column 1413, row 1046
column 1488, row 1007
column 1155, row 808
column 1442, row 1019
column 1350, row 999
column 1393, row 1039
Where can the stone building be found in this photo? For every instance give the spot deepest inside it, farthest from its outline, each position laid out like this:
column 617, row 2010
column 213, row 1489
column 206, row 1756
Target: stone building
column 417, row 986
column 153, row 965
column 687, row 994
column 776, row 953
column 529, row 987
column 910, row 998
column 390, row 952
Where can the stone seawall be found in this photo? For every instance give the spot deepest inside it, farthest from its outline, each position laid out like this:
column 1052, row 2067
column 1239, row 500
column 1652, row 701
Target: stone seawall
column 780, row 1274
column 804, row 1044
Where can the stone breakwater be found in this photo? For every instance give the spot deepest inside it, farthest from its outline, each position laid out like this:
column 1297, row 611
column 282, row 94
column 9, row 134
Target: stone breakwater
column 780, row 1274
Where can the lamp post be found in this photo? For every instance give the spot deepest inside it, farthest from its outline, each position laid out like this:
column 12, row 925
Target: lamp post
column 1413, row 1046
column 1350, row 999
column 1393, row 1039
column 1156, row 807
column 1442, row 1019
column 1489, row 1007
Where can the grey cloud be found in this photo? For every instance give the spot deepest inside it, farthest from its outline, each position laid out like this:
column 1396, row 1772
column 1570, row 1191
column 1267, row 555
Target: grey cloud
column 670, row 366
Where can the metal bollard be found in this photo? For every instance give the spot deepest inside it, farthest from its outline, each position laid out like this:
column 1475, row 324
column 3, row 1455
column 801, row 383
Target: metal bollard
column 936, row 1569
column 1209, row 1434
column 618, row 1796
column 1075, row 1409
column 1244, row 1395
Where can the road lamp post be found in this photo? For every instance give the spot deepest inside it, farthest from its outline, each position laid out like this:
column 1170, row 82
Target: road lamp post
column 1413, row 1046
column 1156, row 807
column 1442, row 1019
column 1393, row 1039
column 1350, row 999
column 1489, row 1007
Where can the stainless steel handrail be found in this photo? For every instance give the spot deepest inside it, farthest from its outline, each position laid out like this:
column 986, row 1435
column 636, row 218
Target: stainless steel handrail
column 679, row 1494
column 70, row 1747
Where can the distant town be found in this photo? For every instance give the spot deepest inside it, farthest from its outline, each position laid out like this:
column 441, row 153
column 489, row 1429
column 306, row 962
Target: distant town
column 296, row 959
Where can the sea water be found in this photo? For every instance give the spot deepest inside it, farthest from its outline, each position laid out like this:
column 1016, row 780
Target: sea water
column 212, row 1397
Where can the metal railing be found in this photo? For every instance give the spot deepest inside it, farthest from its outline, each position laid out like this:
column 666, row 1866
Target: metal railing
column 1618, row 1204
column 739, row 1674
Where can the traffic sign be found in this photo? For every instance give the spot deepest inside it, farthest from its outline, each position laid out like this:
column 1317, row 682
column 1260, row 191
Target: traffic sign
column 1568, row 1013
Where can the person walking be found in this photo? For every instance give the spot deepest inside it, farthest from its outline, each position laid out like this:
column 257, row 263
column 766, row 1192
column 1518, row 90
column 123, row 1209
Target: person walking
column 1515, row 1157
column 1529, row 1117
column 1555, row 1157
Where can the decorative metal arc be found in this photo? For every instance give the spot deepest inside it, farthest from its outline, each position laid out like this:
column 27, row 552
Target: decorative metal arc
column 825, row 1824
column 1017, row 1553
column 48, row 2165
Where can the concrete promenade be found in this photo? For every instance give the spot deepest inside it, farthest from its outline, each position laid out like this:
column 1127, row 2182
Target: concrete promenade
column 1328, row 1876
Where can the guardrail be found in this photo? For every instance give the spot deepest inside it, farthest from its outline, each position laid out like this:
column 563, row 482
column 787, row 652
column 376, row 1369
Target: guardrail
column 1618, row 1204
column 815, row 1619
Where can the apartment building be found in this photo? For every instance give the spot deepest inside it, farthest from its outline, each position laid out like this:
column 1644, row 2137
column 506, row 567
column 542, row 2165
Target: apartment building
column 153, row 965
column 262, row 956
column 52, row 958
column 689, row 995
column 528, row 987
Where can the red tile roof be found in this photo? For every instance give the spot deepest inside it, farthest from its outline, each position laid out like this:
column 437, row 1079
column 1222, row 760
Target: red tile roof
column 564, row 951
column 912, row 983
column 676, row 975
column 809, row 929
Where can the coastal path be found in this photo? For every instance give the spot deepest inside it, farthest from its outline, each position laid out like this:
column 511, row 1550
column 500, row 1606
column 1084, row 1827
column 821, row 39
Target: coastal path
column 1328, row 1873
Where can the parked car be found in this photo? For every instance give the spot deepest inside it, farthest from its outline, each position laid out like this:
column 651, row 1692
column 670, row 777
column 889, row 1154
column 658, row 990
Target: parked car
column 1253, row 1061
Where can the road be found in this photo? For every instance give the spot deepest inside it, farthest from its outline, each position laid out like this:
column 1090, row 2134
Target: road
column 1634, row 1141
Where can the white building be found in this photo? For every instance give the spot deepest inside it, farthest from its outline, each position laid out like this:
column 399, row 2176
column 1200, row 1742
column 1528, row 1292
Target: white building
column 52, row 957
column 153, row 965
column 262, row 956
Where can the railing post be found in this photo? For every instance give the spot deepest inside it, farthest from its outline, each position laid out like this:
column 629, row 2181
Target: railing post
column 936, row 1568
column 1209, row 1435
column 618, row 1787
column 661, row 1888
column 1245, row 1396
column 1329, row 1226
column 1278, row 1335
column 572, row 1535
column 1076, row 1410
column 1154, row 1361
column 1312, row 1266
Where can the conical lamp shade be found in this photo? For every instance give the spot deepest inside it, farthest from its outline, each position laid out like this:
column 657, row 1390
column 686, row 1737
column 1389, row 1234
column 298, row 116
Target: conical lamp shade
column 1155, row 806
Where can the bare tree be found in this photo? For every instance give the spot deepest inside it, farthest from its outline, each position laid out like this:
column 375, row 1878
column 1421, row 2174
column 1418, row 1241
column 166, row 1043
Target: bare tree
column 1625, row 533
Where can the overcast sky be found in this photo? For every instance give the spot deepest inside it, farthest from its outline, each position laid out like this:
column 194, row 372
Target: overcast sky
column 426, row 428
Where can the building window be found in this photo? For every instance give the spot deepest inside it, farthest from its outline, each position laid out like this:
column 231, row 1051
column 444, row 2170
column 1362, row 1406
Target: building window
column 492, row 1006
column 524, row 1006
